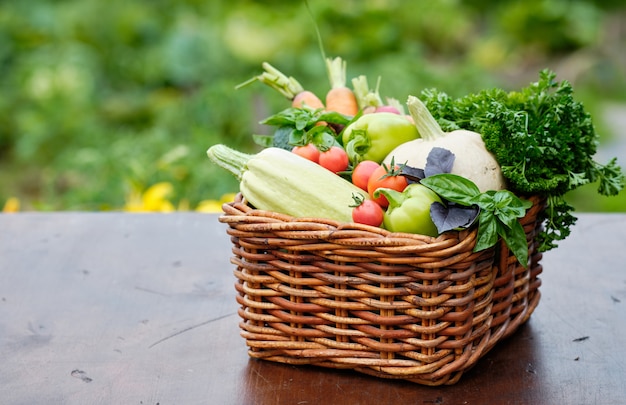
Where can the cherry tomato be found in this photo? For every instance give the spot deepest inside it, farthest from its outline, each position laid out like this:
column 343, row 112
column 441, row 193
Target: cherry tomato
column 367, row 212
column 386, row 177
column 362, row 173
column 308, row 151
column 334, row 159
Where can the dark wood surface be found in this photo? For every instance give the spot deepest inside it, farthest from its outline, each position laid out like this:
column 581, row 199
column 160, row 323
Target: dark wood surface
column 112, row 308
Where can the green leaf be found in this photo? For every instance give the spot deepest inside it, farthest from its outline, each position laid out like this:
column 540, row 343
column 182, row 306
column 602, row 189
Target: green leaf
column 515, row 239
column 452, row 187
column 334, row 118
column 612, row 179
column 577, row 180
column 321, row 137
column 485, row 201
column 503, row 199
column 283, row 118
column 298, row 118
column 302, row 122
column 487, row 231
column 263, row 140
column 508, row 207
column 296, row 137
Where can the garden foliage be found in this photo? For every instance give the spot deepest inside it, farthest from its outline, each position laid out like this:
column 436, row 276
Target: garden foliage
column 101, row 99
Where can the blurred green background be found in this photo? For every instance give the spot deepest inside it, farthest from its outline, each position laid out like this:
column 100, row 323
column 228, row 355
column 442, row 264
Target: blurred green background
column 101, row 99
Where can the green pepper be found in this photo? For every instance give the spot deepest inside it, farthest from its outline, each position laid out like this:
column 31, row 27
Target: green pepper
column 373, row 136
column 409, row 210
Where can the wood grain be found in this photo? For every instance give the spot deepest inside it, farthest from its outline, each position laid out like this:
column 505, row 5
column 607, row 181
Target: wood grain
column 108, row 308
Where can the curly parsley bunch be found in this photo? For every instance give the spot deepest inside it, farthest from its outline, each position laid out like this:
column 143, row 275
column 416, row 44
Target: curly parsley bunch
column 543, row 139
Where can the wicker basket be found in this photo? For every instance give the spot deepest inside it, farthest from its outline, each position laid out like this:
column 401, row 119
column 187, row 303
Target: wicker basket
column 348, row 296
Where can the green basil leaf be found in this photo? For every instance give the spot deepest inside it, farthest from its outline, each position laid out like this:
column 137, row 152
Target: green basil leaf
column 296, row 137
column 277, row 121
column 503, row 199
column 484, row 201
column 263, row 140
column 334, row 118
column 515, row 239
column 508, row 207
column 487, row 231
column 321, row 137
column 452, row 187
column 303, row 121
column 282, row 118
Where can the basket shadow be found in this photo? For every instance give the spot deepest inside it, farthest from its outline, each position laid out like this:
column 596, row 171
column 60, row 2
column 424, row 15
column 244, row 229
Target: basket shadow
column 514, row 359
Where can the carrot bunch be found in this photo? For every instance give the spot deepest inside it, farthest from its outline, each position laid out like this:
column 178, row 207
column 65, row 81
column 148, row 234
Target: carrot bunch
column 339, row 98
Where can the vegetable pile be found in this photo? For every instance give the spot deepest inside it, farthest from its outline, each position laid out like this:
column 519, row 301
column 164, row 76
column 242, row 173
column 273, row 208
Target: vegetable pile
column 543, row 139
column 447, row 164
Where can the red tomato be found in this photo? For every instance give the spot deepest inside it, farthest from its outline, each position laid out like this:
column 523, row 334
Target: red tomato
column 334, row 159
column 369, row 213
column 309, row 152
column 385, row 177
column 362, row 173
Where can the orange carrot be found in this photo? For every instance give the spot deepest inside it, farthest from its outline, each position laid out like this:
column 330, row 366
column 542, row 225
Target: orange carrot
column 287, row 86
column 339, row 98
column 307, row 98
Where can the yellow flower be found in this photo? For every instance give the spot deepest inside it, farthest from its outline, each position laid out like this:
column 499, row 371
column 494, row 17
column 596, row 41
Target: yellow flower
column 154, row 199
column 212, row 206
column 11, row 205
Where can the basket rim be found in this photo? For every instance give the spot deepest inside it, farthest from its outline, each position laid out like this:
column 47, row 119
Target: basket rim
column 270, row 221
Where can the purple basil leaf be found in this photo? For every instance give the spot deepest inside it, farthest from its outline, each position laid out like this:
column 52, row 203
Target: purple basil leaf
column 412, row 174
column 438, row 161
column 453, row 216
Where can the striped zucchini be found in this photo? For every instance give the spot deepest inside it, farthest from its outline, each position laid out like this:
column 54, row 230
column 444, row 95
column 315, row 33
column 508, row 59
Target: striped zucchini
column 281, row 181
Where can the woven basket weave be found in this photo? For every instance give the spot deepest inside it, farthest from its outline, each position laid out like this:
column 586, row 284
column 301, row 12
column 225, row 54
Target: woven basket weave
column 349, row 296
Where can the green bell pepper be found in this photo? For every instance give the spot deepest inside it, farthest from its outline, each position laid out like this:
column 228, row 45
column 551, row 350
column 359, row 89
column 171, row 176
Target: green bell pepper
column 409, row 211
column 373, row 136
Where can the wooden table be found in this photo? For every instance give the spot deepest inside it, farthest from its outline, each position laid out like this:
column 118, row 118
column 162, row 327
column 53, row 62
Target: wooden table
column 113, row 308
